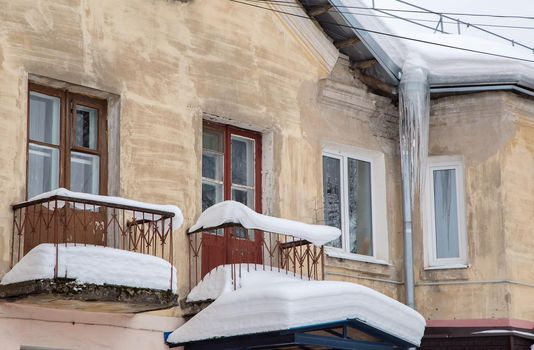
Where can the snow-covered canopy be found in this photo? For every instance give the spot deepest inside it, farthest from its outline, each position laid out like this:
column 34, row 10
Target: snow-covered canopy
column 238, row 213
column 449, row 64
column 177, row 220
column 94, row 264
column 265, row 303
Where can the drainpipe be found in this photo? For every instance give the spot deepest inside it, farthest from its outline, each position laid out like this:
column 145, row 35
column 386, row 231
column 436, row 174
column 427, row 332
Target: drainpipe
column 414, row 112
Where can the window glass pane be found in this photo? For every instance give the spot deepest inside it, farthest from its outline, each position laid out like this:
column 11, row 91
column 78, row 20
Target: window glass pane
column 242, row 161
column 212, row 140
column 43, row 169
column 360, row 209
column 332, row 194
column 211, row 194
column 212, row 165
column 446, row 213
column 84, row 173
column 86, row 127
column 44, row 118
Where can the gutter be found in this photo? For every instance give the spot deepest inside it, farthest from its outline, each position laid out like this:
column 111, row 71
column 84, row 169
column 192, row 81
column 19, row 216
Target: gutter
column 458, row 89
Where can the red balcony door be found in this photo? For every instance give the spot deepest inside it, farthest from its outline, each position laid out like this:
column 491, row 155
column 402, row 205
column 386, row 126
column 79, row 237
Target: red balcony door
column 231, row 170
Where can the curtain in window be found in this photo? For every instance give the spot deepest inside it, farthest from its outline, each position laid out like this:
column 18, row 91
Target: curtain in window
column 332, row 194
column 446, row 213
column 360, row 208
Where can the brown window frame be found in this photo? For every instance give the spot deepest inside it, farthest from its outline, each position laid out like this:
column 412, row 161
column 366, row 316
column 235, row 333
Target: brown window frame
column 68, row 101
column 228, row 131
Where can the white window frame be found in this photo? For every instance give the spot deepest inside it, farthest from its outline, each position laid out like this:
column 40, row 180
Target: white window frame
column 378, row 203
column 431, row 259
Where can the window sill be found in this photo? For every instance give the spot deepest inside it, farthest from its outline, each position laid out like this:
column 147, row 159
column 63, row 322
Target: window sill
column 335, row 253
column 446, row 267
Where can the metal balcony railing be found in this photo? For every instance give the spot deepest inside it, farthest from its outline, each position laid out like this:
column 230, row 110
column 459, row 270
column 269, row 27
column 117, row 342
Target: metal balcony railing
column 252, row 249
column 70, row 221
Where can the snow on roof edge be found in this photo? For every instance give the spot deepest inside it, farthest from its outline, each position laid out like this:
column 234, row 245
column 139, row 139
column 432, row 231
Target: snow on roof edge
column 235, row 212
column 460, row 68
column 177, row 220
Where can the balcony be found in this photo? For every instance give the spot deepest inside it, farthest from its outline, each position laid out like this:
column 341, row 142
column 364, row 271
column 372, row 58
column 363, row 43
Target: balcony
column 230, row 240
column 91, row 252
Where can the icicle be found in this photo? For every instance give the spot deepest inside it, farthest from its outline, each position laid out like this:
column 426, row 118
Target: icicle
column 414, row 109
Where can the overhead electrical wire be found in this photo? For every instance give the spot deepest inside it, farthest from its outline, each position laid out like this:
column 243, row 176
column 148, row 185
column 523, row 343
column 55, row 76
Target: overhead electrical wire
column 410, row 11
column 293, row 5
column 253, row 3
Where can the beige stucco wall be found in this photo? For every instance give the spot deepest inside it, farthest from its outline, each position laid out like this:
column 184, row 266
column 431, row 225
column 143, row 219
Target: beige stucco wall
column 171, row 63
column 493, row 133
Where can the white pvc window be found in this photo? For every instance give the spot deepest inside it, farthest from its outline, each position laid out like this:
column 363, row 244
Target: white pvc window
column 446, row 241
column 354, row 201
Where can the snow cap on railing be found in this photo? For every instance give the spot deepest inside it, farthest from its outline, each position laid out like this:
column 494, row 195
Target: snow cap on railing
column 177, row 220
column 234, row 212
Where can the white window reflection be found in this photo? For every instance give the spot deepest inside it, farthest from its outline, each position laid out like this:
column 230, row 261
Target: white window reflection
column 84, row 173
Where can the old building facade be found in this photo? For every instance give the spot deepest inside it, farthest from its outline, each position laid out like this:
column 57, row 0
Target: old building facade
column 160, row 73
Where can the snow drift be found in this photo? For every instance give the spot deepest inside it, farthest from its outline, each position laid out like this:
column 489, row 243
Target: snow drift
column 94, row 264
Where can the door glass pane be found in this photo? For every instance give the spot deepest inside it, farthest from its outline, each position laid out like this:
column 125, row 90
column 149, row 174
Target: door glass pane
column 446, row 213
column 245, row 196
column 43, row 169
column 212, row 165
column 44, row 118
column 360, row 209
column 211, row 194
column 86, row 127
column 212, row 140
column 212, row 169
column 242, row 161
column 332, row 194
column 84, row 173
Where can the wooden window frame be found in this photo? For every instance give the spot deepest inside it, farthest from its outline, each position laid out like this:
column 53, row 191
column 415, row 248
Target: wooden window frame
column 68, row 101
column 228, row 131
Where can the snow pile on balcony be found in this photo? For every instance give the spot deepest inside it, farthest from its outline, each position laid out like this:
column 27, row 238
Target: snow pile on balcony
column 94, row 264
column 221, row 279
column 263, row 305
column 177, row 220
column 238, row 213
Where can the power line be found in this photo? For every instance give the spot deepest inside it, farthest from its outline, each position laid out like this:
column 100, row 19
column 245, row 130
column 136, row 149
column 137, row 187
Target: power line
column 386, row 34
column 441, row 16
column 440, row 22
column 411, row 11
column 293, row 5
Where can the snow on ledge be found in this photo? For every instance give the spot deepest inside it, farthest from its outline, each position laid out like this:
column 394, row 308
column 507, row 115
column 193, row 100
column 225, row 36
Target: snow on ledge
column 220, row 280
column 282, row 305
column 177, row 220
column 94, row 264
column 235, row 212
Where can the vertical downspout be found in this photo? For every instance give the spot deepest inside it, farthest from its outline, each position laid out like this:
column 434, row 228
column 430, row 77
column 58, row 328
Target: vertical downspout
column 414, row 112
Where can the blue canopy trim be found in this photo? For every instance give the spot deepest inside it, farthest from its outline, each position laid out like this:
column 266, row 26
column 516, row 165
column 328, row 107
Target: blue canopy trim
column 302, row 337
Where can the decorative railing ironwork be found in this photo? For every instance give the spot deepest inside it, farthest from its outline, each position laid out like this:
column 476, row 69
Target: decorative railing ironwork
column 245, row 250
column 71, row 221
